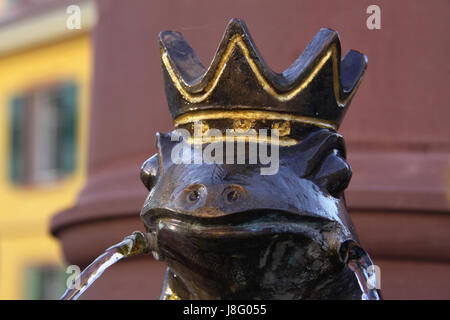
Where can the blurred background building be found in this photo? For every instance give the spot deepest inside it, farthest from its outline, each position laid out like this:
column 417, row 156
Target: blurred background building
column 45, row 71
column 79, row 109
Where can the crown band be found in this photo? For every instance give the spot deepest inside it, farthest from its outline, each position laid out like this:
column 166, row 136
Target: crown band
column 196, row 116
column 281, row 141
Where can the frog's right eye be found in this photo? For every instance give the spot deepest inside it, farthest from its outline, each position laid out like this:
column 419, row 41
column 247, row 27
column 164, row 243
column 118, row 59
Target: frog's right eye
column 150, row 172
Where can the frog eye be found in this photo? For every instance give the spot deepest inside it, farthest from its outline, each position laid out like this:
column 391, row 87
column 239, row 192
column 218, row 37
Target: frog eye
column 150, row 172
column 334, row 173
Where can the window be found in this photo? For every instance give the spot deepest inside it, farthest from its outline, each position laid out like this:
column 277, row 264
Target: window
column 43, row 134
column 44, row 282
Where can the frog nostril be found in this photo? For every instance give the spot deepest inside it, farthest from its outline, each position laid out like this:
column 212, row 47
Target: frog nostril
column 232, row 196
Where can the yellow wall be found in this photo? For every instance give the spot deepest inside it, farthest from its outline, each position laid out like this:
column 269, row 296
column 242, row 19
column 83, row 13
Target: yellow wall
column 25, row 211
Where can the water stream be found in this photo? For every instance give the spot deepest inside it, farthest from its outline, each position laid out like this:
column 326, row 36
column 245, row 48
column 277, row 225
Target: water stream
column 365, row 272
column 135, row 244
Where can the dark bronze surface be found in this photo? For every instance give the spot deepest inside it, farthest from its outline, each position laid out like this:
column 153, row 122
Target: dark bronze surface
column 228, row 232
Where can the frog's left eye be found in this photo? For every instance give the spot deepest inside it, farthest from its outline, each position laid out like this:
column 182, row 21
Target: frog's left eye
column 150, row 172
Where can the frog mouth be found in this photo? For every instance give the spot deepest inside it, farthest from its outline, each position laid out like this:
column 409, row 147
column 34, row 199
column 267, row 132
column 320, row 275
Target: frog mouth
column 239, row 225
column 252, row 244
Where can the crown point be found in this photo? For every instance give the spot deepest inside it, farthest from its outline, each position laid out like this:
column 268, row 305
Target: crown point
column 236, row 23
column 179, row 52
column 235, row 27
column 353, row 67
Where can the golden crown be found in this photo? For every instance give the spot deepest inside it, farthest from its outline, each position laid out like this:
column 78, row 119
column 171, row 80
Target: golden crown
column 240, row 90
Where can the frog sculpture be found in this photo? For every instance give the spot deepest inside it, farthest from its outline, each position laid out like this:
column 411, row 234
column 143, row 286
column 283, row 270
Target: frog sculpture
column 233, row 225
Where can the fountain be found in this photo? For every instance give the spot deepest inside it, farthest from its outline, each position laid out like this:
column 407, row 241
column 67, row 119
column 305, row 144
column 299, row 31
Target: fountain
column 246, row 194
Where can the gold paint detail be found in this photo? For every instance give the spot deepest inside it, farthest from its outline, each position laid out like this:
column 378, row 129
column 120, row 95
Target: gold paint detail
column 284, row 128
column 243, row 124
column 251, row 115
column 204, row 127
column 281, row 141
column 237, row 40
column 170, row 295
